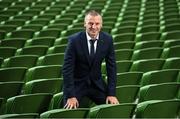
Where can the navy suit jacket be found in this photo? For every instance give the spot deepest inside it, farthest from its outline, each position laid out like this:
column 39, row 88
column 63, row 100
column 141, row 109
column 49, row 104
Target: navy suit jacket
column 79, row 69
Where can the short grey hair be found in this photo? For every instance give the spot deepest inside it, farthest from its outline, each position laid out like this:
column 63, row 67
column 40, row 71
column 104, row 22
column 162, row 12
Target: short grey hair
column 92, row 13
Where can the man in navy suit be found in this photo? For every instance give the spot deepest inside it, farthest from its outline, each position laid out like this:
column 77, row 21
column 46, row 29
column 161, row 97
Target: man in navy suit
column 84, row 55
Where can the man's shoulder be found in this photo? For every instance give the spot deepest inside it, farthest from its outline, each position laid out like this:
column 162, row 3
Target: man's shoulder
column 105, row 35
column 76, row 35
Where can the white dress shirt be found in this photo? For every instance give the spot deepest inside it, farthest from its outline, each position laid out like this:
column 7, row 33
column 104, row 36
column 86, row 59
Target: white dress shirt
column 89, row 44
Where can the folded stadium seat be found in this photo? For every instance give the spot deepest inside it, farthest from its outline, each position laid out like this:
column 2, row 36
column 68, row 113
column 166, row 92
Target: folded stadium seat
column 171, row 52
column 1, row 60
column 156, row 91
column 38, row 50
column 24, row 115
column 56, row 101
column 39, row 21
column 49, row 16
column 17, row 22
column 123, row 54
column 169, row 43
column 13, row 42
column 124, row 30
column 161, row 76
column 53, row 10
column 64, row 113
column 148, row 29
column 63, row 20
column 24, row 33
column 10, row 12
column 125, row 110
column 147, row 65
column 6, row 52
column 129, row 78
column 60, row 26
column 12, row 74
column 124, row 45
column 23, row 16
column 51, row 86
column 172, row 63
column 148, row 44
column 27, row 61
column 47, row 41
column 124, row 37
column 149, row 22
column 148, row 36
column 123, row 66
column 171, row 21
column 4, row 17
column 7, row 28
column 171, row 15
column 70, row 31
column 51, row 32
column 32, row 11
column 127, row 23
column 51, row 59
column 35, row 27
column 171, row 27
column 170, row 35
column 43, row 72
column 57, row 49
column 3, row 34
column 2, row 105
column 28, row 103
column 127, row 93
column 158, row 109
column 147, row 53
column 10, row 89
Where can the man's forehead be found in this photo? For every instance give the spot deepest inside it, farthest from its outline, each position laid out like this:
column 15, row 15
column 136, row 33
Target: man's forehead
column 96, row 18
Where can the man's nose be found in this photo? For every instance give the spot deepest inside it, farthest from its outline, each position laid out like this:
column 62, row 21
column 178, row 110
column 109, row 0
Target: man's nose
column 93, row 25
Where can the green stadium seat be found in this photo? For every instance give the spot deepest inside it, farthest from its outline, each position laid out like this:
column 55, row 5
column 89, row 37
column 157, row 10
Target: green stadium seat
column 148, row 44
column 123, row 66
column 56, row 101
column 43, row 72
column 124, row 45
column 123, row 54
column 35, row 27
column 6, row 52
column 3, row 33
column 156, row 91
column 161, row 76
column 51, row 59
column 2, row 106
column 125, row 110
column 13, row 42
column 12, row 74
column 129, row 78
column 47, row 41
column 171, row 52
column 124, row 37
column 39, row 21
column 24, row 115
column 170, row 43
column 29, row 103
column 171, row 27
column 24, row 33
column 171, row 35
column 57, row 49
column 38, row 50
column 147, row 53
column 172, row 63
column 148, row 29
column 7, row 28
column 51, row 32
column 158, row 109
column 147, row 65
column 64, row 113
column 149, row 36
column 10, row 89
column 127, row 93
column 16, row 22
column 52, row 86
column 27, row 61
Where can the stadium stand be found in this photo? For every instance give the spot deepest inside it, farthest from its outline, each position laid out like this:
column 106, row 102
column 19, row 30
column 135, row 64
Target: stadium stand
column 33, row 38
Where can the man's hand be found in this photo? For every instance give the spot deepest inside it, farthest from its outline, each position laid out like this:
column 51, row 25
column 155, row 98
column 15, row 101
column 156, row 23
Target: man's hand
column 72, row 103
column 112, row 100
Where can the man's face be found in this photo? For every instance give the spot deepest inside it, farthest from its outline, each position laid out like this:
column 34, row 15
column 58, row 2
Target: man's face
column 93, row 25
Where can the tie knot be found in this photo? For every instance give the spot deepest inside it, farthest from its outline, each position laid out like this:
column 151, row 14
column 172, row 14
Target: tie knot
column 92, row 41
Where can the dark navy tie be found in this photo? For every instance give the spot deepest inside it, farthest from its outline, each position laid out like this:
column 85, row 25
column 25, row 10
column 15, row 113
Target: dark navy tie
column 92, row 52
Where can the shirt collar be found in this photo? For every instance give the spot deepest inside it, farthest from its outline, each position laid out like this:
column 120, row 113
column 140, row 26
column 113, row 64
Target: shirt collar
column 89, row 38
